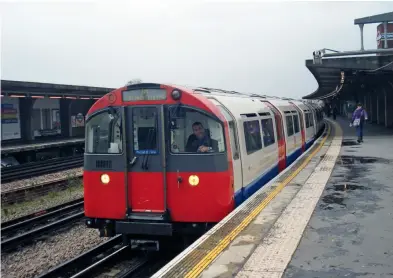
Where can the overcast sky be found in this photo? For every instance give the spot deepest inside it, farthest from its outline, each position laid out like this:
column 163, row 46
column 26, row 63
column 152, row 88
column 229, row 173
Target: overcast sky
column 256, row 47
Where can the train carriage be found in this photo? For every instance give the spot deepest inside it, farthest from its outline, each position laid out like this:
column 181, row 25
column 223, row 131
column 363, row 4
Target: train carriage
column 162, row 159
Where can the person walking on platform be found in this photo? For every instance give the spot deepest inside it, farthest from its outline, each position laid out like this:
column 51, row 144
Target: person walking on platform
column 358, row 118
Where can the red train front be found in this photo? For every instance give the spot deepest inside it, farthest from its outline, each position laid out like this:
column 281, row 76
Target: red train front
column 143, row 176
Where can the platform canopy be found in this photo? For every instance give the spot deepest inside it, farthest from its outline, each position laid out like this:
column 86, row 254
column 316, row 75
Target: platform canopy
column 337, row 74
column 386, row 17
column 36, row 89
column 337, row 71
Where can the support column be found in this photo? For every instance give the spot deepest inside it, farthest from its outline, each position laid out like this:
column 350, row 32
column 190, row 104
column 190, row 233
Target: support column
column 65, row 117
column 361, row 36
column 386, row 106
column 371, row 115
column 378, row 110
column 365, row 102
column 385, row 30
column 389, row 106
column 26, row 118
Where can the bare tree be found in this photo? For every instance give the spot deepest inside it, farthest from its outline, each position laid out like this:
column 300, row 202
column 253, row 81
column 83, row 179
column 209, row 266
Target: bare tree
column 134, row 81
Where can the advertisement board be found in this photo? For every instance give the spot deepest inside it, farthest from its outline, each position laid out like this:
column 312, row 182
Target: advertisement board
column 10, row 119
column 381, row 35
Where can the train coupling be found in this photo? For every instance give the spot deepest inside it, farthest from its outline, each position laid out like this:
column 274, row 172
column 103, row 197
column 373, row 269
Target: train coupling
column 147, row 245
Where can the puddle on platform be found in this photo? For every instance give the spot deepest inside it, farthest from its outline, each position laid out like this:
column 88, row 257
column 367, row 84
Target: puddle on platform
column 347, row 159
column 332, row 199
column 348, row 186
column 349, row 143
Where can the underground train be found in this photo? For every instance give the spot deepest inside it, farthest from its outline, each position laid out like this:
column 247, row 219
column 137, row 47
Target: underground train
column 166, row 160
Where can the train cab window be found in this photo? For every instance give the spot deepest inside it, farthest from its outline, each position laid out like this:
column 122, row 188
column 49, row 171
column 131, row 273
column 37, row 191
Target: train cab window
column 268, row 132
column 144, row 121
column 296, row 123
column 103, row 133
column 252, row 135
column 232, row 132
column 194, row 132
column 289, row 125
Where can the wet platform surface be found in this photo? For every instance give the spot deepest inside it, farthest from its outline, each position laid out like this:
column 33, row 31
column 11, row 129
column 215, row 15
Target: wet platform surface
column 40, row 144
column 350, row 233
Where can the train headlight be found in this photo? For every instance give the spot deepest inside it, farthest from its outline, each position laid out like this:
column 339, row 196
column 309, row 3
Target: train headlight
column 105, row 178
column 193, row 180
column 176, row 94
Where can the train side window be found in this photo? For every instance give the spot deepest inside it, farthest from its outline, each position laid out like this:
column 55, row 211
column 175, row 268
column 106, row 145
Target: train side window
column 103, row 133
column 144, row 120
column 289, row 125
column 296, row 123
column 252, row 136
column 307, row 119
column 268, row 132
column 311, row 120
column 195, row 132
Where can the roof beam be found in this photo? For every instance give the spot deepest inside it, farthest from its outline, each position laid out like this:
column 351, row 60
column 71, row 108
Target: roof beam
column 386, row 17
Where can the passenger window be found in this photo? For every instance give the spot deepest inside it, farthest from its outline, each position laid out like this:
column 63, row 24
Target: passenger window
column 144, row 121
column 289, row 125
column 103, row 133
column 194, row 132
column 268, row 132
column 252, row 135
column 234, row 146
column 296, row 123
column 307, row 119
column 311, row 120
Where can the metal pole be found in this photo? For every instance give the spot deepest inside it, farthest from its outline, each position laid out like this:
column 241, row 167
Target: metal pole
column 385, row 27
column 361, row 36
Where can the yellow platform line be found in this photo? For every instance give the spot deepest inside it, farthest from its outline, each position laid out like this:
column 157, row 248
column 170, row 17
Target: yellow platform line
column 205, row 261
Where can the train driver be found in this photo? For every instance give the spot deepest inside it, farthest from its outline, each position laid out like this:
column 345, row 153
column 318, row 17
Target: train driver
column 200, row 141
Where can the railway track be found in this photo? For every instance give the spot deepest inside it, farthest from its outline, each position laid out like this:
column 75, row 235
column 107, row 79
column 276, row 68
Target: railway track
column 101, row 259
column 28, row 170
column 28, row 228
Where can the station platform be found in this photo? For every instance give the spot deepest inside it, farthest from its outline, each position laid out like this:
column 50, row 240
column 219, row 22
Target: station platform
column 327, row 215
column 43, row 144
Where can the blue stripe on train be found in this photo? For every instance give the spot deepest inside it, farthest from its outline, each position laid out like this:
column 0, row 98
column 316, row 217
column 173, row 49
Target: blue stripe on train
column 309, row 143
column 244, row 193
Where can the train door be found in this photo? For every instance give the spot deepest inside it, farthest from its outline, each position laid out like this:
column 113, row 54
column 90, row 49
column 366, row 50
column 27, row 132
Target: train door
column 280, row 137
column 146, row 184
column 302, row 130
column 234, row 142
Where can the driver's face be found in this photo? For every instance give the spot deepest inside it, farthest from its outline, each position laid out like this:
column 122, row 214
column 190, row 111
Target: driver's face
column 199, row 131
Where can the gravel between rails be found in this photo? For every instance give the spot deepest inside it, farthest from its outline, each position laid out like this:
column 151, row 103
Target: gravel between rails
column 66, row 174
column 43, row 255
column 9, row 212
